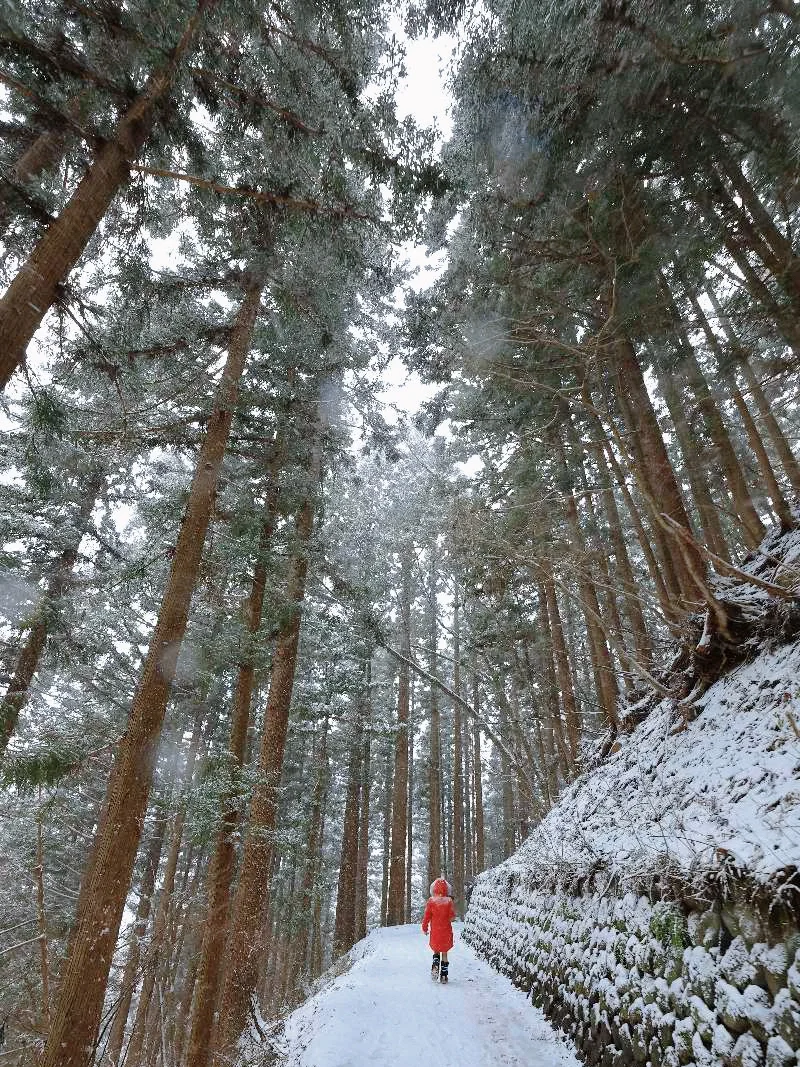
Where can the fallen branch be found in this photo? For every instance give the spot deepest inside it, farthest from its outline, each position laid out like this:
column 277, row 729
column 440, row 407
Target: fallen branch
column 451, row 693
column 724, row 567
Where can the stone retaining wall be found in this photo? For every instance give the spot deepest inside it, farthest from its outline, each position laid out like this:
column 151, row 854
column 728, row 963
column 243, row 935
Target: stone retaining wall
column 634, row 981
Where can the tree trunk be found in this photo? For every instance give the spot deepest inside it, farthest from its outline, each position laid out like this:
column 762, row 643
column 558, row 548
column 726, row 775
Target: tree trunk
column 41, row 155
column 395, row 914
column 362, row 884
column 785, row 265
column 717, row 431
column 657, row 469
column 602, row 663
column 477, row 766
column 549, row 719
column 105, row 885
column 312, row 859
column 608, row 463
column 345, row 920
column 779, row 443
column 252, row 892
column 786, row 322
column 36, row 286
column 133, row 1056
column 772, row 486
column 469, row 852
column 565, row 686
column 223, row 863
column 630, row 589
column 509, row 837
column 31, row 648
column 434, row 733
column 707, row 509
column 387, row 838
column 130, row 974
column 458, row 757
column 410, row 804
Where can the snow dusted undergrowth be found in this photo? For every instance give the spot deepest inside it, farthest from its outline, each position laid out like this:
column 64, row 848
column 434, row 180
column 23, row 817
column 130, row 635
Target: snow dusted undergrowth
column 653, row 914
column 384, row 1011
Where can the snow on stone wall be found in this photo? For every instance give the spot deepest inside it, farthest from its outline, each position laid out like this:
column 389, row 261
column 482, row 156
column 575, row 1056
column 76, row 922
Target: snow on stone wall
column 637, row 982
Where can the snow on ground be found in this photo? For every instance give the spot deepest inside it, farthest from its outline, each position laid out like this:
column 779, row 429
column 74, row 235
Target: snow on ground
column 724, row 785
column 386, row 1012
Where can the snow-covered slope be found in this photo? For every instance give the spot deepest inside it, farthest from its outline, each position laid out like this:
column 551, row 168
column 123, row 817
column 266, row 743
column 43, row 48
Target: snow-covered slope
column 725, row 786
column 385, row 1010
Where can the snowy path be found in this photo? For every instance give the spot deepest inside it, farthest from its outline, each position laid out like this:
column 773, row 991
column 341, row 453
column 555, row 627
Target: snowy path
column 386, row 1012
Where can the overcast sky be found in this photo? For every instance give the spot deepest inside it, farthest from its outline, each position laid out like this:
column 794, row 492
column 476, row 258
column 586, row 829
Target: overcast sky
column 423, row 96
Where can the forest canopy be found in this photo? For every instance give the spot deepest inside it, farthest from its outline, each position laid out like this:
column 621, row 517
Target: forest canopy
column 273, row 655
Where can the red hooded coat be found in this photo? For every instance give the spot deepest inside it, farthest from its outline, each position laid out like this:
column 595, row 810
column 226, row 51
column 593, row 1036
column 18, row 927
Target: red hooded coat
column 439, row 915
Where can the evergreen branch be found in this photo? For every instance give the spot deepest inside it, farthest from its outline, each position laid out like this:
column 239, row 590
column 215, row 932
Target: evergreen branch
column 206, row 76
column 62, row 118
column 59, row 64
column 290, row 203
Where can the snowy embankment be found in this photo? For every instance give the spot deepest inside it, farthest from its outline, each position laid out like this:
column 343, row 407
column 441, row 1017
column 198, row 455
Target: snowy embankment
column 383, row 1010
column 655, row 912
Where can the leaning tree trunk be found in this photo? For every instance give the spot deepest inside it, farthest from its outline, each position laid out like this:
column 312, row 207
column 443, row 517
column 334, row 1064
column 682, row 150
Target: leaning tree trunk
column 608, row 464
column 134, row 1054
column 643, row 426
column 130, row 974
column 707, row 510
column 717, row 431
column 771, row 484
column 104, row 889
column 30, row 650
column 223, row 863
column 252, row 891
column 395, row 913
column 34, row 289
column 779, row 443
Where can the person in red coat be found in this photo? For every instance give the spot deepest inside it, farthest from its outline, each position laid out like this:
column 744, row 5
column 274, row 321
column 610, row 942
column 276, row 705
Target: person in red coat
column 439, row 915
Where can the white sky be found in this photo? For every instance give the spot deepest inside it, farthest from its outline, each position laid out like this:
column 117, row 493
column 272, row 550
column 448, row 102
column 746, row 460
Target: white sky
column 423, row 96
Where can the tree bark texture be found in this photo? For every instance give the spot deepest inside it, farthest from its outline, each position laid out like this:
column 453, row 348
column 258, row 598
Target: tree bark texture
column 252, row 891
column 134, row 1054
column 309, row 888
column 345, row 919
column 395, row 914
column 77, row 1013
column 659, row 481
column 434, row 732
column 223, row 863
column 116, row 1037
column 477, row 769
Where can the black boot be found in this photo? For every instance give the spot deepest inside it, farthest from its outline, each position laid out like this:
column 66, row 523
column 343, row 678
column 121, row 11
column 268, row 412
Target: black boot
column 443, row 971
column 435, row 966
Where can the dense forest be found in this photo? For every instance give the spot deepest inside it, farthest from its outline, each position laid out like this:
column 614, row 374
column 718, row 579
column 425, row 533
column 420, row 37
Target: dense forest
column 273, row 656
